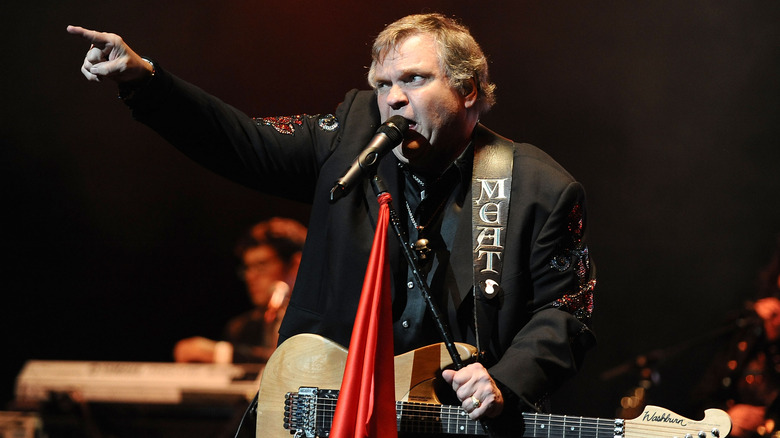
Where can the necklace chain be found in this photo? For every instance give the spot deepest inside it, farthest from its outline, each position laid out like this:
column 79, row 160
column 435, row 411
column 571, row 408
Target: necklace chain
column 411, row 215
column 419, row 181
column 422, row 196
column 422, row 193
column 433, row 215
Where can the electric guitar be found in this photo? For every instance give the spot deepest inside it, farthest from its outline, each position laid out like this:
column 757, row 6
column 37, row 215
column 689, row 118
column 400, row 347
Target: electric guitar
column 299, row 390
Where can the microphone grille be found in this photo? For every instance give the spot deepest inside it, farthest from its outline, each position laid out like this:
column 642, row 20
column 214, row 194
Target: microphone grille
column 395, row 127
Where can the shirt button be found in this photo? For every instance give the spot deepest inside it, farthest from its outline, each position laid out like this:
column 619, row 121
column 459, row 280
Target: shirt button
column 405, row 324
column 410, row 285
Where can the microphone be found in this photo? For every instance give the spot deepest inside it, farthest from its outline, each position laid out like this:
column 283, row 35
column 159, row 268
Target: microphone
column 388, row 136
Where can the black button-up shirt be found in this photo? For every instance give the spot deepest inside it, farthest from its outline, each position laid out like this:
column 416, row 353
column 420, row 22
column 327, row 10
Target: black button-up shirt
column 435, row 206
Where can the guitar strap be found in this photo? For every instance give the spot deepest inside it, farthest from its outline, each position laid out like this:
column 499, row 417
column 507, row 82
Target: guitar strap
column 491, row 185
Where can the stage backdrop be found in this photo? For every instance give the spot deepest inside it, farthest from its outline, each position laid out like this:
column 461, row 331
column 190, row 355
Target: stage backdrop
column 116, row 245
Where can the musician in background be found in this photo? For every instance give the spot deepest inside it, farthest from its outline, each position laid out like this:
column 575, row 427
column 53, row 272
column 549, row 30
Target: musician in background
column 270, row 252
column 745, row 378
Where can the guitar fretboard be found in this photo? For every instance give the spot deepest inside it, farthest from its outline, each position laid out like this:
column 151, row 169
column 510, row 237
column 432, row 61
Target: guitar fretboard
column 314, row 412
column 545, row 425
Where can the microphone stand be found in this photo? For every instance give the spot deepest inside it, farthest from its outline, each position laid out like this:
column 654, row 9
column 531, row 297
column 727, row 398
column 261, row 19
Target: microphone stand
column 411, row 258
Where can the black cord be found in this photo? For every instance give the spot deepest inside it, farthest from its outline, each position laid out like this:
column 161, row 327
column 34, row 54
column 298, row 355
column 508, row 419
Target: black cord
column 252, row 407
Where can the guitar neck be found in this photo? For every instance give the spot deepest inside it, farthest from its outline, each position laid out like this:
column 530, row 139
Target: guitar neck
column 432, row 418
column 312, row 410
column 564, row 426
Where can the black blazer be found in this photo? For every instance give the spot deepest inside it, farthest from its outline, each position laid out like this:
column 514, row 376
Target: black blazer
column 538, row 332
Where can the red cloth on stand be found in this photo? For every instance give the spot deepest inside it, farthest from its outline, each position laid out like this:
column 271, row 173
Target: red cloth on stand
column 366, row 404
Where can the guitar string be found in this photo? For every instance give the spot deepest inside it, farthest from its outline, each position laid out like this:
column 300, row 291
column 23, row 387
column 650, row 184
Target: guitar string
column 457, row 415
column 450, row 413
column 458, row 411
column 470, row 426
column 430, row 424
column 584, row 427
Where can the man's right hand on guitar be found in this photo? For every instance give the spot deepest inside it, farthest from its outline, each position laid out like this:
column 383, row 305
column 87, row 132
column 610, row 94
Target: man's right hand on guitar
column 477, row 391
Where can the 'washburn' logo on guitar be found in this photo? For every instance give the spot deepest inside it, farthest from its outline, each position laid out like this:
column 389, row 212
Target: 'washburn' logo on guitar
column 663, row 418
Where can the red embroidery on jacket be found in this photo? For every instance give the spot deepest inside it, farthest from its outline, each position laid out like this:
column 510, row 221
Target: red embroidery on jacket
column 283, row 124
column 579, row 302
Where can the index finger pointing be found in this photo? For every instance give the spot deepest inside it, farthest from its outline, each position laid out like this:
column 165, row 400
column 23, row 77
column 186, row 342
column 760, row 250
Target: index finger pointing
column 93, row 36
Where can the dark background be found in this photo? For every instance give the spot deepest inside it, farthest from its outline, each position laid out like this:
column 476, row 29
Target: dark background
column 116, row 245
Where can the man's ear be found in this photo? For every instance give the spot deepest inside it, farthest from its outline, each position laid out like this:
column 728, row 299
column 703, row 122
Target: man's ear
column 470, row 93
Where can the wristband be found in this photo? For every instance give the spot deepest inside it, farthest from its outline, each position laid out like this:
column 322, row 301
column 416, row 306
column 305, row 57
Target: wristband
column 128, row 91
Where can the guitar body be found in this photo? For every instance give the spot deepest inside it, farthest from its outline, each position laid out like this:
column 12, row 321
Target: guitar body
column 311, row 360
column 307, row 360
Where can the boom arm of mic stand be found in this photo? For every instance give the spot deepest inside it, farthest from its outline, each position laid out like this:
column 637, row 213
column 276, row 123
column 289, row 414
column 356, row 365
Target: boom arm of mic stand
column 411, row 258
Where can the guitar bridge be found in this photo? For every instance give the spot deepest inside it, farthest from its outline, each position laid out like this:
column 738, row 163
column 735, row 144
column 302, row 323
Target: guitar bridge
column 309, row 412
